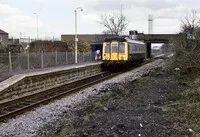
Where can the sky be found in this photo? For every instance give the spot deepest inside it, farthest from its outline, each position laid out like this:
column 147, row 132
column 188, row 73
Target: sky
column 56, row 17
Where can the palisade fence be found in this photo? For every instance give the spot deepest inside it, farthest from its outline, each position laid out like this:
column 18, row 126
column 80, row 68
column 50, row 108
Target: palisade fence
column 14, row 62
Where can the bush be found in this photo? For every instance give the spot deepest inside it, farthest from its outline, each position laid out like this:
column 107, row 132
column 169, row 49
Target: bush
column 11, row 48
column 48, row 46
column 187, row 47
column 60, row 46
column 83, row 46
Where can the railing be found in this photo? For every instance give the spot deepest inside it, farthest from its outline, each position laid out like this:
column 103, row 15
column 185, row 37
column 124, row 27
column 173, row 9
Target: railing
column 16, row 62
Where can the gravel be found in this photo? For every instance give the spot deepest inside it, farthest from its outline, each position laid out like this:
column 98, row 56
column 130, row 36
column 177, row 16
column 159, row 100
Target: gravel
column 28, row 124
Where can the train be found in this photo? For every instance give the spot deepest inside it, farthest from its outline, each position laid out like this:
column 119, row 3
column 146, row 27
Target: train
column 121, row 50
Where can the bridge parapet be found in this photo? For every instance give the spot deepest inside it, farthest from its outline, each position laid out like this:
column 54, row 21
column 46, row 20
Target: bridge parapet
column 158, row 38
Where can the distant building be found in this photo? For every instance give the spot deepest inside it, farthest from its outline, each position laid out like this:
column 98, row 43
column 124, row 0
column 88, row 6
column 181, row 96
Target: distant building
column 3, row 38
column 91, row 38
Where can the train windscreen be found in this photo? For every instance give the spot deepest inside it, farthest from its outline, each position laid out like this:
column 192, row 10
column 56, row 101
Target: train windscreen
column 121, row 48
column 114, row 48
column 107, row 48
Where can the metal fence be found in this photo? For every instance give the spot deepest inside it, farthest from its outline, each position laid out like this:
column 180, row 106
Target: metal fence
column 13, row 62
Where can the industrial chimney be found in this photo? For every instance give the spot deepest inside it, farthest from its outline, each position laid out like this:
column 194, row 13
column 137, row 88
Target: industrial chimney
column 150, row 20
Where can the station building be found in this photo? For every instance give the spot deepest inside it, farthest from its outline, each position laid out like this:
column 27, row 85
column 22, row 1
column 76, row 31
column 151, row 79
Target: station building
column 3, row 38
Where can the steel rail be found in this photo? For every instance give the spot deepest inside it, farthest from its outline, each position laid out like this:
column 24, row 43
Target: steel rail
column 24, row 104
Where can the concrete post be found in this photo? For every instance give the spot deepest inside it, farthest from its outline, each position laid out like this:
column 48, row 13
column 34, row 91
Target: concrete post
column 42, row 59
column 56, row 57
column 77, row 57
column 66, row 55
column 84, row 60
column 28, row 60
column 10, row 61
column 91, row 59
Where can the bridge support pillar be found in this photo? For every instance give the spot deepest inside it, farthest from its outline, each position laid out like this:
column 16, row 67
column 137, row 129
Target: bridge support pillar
column 148, row 54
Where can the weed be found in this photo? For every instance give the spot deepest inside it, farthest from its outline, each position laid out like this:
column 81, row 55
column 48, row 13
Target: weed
column 88, row 117
column 66, row 131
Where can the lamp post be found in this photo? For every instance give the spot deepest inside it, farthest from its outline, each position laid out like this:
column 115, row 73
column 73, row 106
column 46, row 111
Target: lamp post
column 37, row 24
column 76, row 39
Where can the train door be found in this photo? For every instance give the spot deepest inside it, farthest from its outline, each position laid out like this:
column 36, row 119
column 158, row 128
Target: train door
column 123, row 51
column 106, row 51
column 94, row 48
column 99, row 47
column 114, row 51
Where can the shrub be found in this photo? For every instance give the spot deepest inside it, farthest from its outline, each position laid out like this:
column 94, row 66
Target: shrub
column 187, row 47
column 60, row 46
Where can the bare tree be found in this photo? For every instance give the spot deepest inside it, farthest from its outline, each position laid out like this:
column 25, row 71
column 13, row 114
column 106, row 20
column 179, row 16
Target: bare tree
column 190, row 25
column 187, row 47
column 115, row 23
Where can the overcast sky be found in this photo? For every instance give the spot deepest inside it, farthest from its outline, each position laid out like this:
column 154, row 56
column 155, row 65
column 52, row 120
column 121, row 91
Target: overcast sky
column 56, row 17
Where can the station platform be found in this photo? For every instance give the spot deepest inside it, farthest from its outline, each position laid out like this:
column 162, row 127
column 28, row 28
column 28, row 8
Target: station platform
column 6, row 75
column 43, row 79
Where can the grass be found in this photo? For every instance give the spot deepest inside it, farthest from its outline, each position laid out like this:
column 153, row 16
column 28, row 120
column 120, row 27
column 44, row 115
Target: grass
column 183, row 111
column 186, row 109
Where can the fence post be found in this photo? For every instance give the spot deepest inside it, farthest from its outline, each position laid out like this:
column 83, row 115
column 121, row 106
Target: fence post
column 56, row 57
column 42, row 60
column 77, row 56
column 88, row 56
column 66, row 55
column 28, row 60
column 83, row 57
column 10, row 61
column 91, row 53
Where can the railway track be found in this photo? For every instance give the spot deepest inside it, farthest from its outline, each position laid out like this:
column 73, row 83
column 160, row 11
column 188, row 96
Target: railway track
column 18, row 106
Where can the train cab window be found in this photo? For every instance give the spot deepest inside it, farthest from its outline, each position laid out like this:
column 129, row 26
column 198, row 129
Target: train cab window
column 107, row 48
column 121, row 48
column 114, row 48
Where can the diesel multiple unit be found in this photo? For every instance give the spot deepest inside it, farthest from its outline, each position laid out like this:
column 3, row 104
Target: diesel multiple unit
column 122, row 50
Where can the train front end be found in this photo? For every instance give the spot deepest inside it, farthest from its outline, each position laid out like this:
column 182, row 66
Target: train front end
column 114, row 53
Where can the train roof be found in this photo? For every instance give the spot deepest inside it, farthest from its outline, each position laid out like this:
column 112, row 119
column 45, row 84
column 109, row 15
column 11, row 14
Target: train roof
column 122, row 39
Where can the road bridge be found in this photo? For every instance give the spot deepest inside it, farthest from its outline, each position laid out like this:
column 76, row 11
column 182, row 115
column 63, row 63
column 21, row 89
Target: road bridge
column 156, row 38
column 147, row 38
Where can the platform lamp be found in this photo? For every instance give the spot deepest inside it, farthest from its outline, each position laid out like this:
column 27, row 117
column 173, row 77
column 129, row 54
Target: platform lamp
column 76, row 39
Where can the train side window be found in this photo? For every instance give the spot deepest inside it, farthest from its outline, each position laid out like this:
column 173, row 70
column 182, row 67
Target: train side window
column 132, row 48
column 107, row 48
column 121, row 48
column 114, row 48
column 138, row 47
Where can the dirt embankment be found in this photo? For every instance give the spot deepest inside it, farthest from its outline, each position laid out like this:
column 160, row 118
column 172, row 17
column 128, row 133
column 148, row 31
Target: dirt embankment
column 151, row 106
